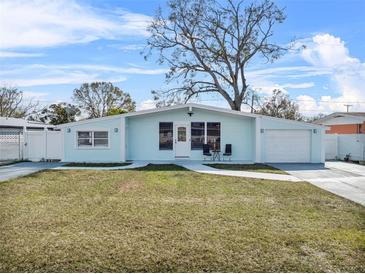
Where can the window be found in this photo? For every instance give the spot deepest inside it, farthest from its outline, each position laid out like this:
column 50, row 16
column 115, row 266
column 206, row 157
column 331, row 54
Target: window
column 181, row 134
column 359, row 128
column 214, row 135
column 84, row 139
column 197, row 135
column 92, row 139
column 166, row 136
column 101, row 139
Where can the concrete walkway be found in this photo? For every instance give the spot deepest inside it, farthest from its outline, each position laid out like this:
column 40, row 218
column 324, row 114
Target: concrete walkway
column 23, row 169
column 343, row 179
column 201, row 168
column 196, row 166
column 136, row 164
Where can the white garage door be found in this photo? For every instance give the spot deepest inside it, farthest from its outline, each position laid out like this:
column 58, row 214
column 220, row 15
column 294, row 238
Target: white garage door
column 287, row 146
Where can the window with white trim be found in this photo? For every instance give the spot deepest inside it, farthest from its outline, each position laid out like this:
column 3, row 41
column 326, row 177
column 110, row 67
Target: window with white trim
column 90, row 139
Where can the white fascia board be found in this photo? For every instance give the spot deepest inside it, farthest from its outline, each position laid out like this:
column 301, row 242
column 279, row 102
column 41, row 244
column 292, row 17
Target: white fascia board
column 187, row 106
column 337, row 115
column 293, row 122
column 86, row 121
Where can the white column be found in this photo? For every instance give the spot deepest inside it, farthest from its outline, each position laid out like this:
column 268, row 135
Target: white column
column 323, row 145
column 258, row 140
column 25, row 144
column 122, row 139
column 45, row 134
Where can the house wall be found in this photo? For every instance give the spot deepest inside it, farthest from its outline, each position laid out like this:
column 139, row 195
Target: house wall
column 143, row 134
column 111, row 154
column 346, row 129
column 345, row 125
column 317, row 150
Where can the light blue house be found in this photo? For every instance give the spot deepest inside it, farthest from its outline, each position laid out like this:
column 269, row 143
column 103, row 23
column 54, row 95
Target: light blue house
column 179, row 132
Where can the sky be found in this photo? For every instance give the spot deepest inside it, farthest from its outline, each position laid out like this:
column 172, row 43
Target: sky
column 49, row 48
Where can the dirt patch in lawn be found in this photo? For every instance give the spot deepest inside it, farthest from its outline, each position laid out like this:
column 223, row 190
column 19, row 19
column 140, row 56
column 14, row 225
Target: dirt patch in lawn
column 130, row 185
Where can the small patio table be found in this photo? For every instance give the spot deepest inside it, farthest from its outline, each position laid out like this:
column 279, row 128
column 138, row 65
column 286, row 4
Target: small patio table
column 216, row 154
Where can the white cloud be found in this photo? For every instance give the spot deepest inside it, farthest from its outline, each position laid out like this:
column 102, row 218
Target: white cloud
column 65, row 79
column 264, row 86
column 326, row 56
column 13, row 54
column 43, row 23
column 328, row 51
column 347, row 74
column 39, row 74
column 31, row 94
column 298, row 85
column 130, row 47
column 147, row 104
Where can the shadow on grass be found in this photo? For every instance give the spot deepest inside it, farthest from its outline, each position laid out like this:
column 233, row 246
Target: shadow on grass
column 96, row 164
column 248, row 167
column 163, row 167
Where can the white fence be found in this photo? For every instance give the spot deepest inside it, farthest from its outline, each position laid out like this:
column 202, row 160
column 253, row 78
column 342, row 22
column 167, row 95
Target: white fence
column 11, row 145
column 337, row 146
column 31, row 145
column 43, row 145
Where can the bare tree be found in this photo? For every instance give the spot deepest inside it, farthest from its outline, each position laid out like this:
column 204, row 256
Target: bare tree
column 12, row 103
column 99, row 98
column 314, row 118
column 279, row 105
column 208, row 46
column 56, row 114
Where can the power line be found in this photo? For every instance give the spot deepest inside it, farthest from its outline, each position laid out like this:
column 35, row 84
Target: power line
column 302, row 100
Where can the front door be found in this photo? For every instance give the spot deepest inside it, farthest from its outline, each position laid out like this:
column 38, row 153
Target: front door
column 182, row 140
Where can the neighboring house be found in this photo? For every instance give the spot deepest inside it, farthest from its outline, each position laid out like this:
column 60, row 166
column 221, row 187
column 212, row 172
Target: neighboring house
column 179, row 132
column 345, row 135
column 344, row 123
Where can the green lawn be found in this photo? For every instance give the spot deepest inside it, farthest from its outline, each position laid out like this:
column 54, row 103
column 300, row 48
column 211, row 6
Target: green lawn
column 165, row 218
column 246, row 167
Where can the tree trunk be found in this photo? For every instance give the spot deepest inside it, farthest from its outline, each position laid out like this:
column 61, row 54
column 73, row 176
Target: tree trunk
column 236, row 104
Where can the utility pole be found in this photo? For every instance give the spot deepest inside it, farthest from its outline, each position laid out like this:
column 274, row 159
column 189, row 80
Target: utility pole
column 252, row 101
column 347, row 107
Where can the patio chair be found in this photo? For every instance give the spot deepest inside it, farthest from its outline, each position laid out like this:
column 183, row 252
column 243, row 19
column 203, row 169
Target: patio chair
column 228, row 152
column 206, row 151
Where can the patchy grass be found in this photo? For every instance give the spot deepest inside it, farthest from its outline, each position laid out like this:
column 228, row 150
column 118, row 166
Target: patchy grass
column 96, row 164
column 247, row 167
column 167, row 219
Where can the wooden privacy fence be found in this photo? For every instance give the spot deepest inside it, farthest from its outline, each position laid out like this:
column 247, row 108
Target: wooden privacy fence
column 337, row 146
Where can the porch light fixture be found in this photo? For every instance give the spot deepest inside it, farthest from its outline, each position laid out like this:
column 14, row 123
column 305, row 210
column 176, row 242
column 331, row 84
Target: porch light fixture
column 115, row 129
column 315, row 131
column 190, row 112
column 68, row 130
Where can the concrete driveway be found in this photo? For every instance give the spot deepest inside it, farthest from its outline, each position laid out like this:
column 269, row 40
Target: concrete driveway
column 22, row 169
column 344, row 179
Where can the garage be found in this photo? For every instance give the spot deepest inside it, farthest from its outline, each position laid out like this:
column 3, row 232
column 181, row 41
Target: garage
column 287, row 146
